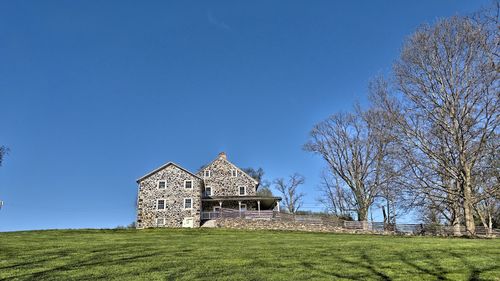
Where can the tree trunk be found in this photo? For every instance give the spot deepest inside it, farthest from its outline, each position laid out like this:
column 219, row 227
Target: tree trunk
column 489, row 229
column 456, row 226
column 362, row 213
column 470, row 226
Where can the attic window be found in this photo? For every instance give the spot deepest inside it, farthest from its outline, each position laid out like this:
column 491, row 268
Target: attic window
column 207, row 173
column 234, row 173
column 162, row 184
column 243, row 190
column 188, row 184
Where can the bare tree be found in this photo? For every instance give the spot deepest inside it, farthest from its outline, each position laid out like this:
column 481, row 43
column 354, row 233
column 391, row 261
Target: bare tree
column 334, row 196
column 292, row 197
column 264, row 187
column 3, row 151
column 257, row 174
column 355, row 148
column 446, row 108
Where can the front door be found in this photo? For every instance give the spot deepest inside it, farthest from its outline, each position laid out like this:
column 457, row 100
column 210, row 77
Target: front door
column 243, row 208
column 187, row 222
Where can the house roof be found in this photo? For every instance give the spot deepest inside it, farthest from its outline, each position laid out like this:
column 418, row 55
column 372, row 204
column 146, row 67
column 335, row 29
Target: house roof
column 164, row 166
column 225, row 159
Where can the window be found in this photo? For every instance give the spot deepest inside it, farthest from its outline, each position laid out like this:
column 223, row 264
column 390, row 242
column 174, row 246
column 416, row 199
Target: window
column 160, row 221
column 243, row 190
column 207, row 173
column 188, row 203
column 208, row 191
column 162, row 184
column 160, row 204
column 188, row 184
column 234, row 173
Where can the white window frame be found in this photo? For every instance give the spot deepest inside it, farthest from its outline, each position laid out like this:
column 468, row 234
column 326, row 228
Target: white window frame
column 191, row 184
column 158, row 184
column 205, row 191
column 158, row 224
column 158, row 204
column 234, row 173
column 239, row 190
column 184, row 203
column 205, row 173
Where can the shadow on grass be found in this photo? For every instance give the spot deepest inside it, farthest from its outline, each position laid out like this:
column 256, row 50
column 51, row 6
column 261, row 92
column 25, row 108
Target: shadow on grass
column 433, row 268
column 369, row 269
column 79, row 264
column 367, row 264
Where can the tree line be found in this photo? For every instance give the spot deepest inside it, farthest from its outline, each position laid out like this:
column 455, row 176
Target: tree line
column 429, row 140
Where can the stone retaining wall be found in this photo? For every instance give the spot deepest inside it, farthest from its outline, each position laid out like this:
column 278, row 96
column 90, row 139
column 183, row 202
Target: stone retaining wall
column 236, row 223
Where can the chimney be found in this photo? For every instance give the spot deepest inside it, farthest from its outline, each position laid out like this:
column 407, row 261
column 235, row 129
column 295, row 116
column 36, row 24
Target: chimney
column 222, row 155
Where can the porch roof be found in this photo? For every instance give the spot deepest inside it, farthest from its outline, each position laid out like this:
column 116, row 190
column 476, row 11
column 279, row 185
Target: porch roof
column 241, row 198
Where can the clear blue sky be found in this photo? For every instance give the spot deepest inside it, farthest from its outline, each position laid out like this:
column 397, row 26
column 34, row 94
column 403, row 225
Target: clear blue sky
column 94, row 94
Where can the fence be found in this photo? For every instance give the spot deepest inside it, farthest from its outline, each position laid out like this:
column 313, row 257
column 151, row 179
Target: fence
column 415, row 229
column 331, row 221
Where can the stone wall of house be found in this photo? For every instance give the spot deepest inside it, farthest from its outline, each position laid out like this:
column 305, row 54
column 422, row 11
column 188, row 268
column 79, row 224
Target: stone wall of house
column 223, row 183
column 174, row 194
column 236, row 223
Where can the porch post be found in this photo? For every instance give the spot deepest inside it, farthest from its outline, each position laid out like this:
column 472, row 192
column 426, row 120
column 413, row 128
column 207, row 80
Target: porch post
column 258, row 206
column 220, row 209
column 239, row 203
column 278, row 205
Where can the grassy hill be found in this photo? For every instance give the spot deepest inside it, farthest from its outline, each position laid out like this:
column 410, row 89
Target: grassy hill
column 217, row 254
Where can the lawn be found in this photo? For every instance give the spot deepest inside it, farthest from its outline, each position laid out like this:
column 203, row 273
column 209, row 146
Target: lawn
column 218, row 254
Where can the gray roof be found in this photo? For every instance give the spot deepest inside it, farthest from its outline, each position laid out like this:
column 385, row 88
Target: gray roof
column 164, row 166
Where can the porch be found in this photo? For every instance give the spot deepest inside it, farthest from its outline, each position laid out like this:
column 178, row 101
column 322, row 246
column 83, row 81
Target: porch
column 232, row 213
column 249, row 207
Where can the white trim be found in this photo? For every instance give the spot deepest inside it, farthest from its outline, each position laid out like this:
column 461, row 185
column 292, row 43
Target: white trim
column 184, row 203
column 205, row 173
column 160, row 224
column 239, row 190
column 191, row 184
column 217, row 207
column 158, row 184
column 205, row 191
column 164, row 204
column 234, row 173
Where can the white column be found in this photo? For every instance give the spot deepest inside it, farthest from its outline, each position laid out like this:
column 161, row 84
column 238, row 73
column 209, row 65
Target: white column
column 239, row 203
column 278, row 205
column 258, row 206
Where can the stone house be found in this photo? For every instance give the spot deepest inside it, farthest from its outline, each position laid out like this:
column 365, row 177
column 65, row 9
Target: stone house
column 171, row 196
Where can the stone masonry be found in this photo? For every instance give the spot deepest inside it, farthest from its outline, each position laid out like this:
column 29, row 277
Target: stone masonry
column 163, row 193
column 223, row 182
column 173, row 193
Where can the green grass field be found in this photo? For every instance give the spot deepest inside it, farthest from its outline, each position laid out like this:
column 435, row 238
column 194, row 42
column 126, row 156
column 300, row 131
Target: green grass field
column 217, row 254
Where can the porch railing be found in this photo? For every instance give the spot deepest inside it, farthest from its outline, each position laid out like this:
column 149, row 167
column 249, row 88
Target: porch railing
column 230, row 213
